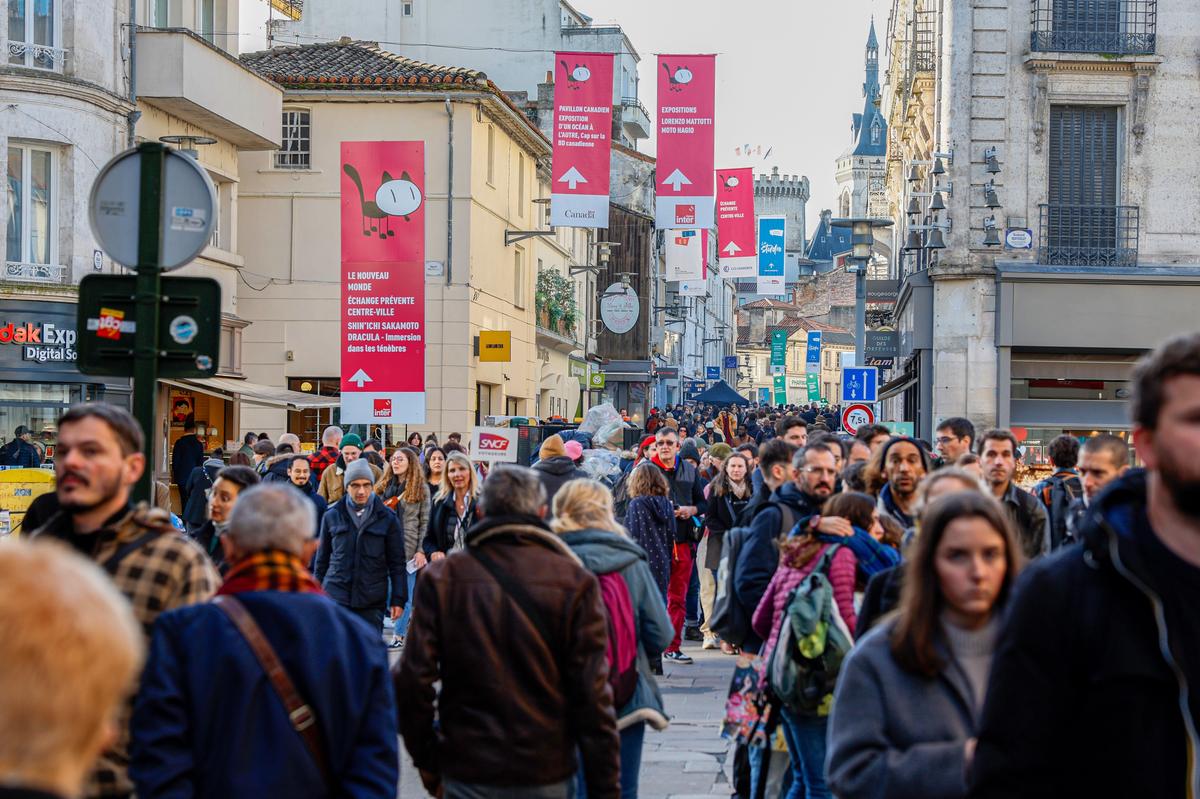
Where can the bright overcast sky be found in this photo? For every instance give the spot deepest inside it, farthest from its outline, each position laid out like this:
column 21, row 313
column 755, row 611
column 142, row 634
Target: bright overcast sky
column 789, row 73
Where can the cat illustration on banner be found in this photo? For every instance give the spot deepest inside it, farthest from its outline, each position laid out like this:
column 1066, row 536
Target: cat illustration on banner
column 677, row 77
column 394, row 197
column 577, row 76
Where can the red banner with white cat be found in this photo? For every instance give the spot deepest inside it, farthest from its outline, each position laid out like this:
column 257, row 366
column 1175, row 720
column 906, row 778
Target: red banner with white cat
column 583, row 103
column 383, row 282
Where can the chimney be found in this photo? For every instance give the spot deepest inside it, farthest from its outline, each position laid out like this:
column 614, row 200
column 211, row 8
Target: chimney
column 758, row 326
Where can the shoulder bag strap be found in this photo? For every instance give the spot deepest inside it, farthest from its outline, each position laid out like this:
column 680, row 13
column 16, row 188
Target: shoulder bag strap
column 128, row 548
column 519, row 595
column 300, row 714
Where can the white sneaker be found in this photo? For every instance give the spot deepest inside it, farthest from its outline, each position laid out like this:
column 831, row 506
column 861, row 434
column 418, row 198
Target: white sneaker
column 710, row 642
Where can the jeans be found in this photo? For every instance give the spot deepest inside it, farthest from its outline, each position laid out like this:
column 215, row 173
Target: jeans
column 464, row 790
column 402, row 622
column 681, row 577
column 806, row 742
column 768, row 773
column 632, row 738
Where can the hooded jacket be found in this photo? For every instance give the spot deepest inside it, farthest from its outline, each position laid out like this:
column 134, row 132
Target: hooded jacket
column 556, row 472
column 355, row 564
column 514, row 709
column 1086, row 695
column 277, row 468
column 195, row 510
column 604, row 552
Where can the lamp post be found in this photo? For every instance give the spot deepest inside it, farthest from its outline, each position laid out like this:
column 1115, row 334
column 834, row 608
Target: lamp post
column 861, row 242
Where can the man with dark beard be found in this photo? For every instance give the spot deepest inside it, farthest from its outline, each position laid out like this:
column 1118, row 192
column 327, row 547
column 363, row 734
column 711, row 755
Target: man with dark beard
column 97, row 462
column 1095, row 685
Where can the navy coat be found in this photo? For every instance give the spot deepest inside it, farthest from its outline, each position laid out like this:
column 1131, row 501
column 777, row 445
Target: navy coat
column 208, row 724
column 354, row 566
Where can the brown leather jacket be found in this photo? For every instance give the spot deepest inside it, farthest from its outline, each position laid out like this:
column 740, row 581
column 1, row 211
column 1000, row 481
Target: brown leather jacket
column 513, row 709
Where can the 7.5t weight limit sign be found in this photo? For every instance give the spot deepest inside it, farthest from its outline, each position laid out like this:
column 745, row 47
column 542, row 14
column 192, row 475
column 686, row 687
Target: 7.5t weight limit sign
column 856, row 416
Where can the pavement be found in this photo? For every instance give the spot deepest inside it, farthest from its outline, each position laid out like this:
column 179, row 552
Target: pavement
column 688, row 760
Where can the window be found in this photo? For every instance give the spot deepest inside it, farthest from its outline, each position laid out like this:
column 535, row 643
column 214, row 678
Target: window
column 519, row 278
column 406, row 9
column 520, row 184
column 491, row 155
column 205, row 11
column 483, row 401
column 33, row 34
column 32, row 207
column 875, row 132
column 296, row 149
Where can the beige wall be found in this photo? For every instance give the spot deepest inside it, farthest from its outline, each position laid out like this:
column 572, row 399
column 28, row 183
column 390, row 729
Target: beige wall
column 294, row 258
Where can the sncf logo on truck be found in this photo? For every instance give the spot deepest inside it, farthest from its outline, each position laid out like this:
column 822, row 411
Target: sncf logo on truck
column 491, row 443
column 494, row 444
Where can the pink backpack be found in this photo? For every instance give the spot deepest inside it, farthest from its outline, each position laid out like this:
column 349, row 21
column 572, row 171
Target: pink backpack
column 622, row 637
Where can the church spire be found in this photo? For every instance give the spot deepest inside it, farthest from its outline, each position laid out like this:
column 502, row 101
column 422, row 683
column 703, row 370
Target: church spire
column 871, row 85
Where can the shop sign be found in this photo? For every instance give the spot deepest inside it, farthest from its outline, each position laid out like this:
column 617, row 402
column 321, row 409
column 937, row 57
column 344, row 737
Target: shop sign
column 582, row 150
column 383, row 282
column 494, row 444
column 883, row 291
column 712, row 373
column 619, row 308
column 1016, row 238
column 880, row 347
column 596, row 380
column 495, row 346
column 578, row 370
column 40, row 342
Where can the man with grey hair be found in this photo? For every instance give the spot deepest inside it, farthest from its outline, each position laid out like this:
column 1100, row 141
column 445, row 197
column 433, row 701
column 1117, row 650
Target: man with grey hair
column 514, row 629
column 189, row 728
column 331, row 448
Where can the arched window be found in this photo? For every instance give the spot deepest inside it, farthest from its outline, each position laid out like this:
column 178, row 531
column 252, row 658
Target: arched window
column 844, row 205
column 875, row 132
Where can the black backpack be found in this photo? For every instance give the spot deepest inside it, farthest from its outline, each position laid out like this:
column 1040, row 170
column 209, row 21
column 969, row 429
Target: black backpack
column 730, row 619
column 1057, row 494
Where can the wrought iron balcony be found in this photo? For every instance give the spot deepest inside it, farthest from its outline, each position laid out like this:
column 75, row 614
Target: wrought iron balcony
column 1088, row 235
column 1109, row 27
column 37, row 56
column 35, row 273
column 635, row 118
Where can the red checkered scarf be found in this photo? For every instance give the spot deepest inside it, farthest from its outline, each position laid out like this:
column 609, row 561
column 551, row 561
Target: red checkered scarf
column 270, row 570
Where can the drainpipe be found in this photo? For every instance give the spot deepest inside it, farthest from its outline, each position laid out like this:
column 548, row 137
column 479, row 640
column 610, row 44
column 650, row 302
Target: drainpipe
column 134, row 114
column 449, row 192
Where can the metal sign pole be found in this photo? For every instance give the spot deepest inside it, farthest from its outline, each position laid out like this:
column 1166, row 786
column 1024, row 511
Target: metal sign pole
column 149, row 275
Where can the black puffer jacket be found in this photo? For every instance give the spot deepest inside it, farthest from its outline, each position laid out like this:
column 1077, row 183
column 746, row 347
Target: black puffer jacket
column 354, row 565
column 1082, row 699
column 555, row 473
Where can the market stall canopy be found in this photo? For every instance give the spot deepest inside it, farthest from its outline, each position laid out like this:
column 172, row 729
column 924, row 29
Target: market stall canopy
column 256, row 393
column 721, row 393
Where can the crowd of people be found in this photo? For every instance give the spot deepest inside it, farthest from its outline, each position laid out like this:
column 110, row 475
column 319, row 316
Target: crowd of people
column 901, row 618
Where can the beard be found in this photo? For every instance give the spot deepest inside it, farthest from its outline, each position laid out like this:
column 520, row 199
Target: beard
column 1182, row 483
column 106, row 488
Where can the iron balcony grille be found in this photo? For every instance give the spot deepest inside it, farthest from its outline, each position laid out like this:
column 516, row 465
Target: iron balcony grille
column 1111, row 27
column 1088, row 235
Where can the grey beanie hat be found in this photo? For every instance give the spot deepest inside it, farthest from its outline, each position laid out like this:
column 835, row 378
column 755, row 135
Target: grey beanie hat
column 358, row 470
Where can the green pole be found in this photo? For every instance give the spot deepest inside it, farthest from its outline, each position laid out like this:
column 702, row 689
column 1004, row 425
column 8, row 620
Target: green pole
column 149, row 274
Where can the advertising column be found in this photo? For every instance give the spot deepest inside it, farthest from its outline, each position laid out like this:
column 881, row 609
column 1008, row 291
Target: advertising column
column 735, row 222
column 771, row 260
column 582, row 139
column 686, row 107
column 383, row 282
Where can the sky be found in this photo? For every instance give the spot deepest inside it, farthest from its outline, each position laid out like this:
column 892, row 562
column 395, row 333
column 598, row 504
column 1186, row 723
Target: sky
column 789, row 74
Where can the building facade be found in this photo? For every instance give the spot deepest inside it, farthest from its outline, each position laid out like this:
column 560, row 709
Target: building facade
column 1046, row 248
column 860, row 168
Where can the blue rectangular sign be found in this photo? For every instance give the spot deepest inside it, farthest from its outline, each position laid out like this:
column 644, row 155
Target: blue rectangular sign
column 860, row 384
column 712, row 373
column 764, row 396
column 730, row 361
column 812, row 356
column 771, row 255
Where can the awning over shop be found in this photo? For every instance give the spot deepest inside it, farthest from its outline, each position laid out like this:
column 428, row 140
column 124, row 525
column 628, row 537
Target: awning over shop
column 896, row 386
column 255, row 393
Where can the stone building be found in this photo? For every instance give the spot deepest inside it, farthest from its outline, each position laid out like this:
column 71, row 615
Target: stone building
column 1043, row 147
column 860, row 169
column 786, row 196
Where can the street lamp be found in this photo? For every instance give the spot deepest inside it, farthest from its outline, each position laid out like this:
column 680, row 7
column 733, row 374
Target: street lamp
column 861, row 242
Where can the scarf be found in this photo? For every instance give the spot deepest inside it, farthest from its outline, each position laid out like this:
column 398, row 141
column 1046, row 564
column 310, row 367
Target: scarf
column 359, row 515
column 662, row 465
column 270, row 570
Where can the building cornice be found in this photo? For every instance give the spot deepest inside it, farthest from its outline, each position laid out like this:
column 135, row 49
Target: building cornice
column 1088, row 63
column 55, row 85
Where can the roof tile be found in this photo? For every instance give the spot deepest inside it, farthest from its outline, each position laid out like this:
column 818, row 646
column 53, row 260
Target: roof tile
column 352, row 64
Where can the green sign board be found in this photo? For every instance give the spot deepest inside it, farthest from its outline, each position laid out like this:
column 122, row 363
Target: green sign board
column 189, row 325
column 578, row 370
column 778, row 347
column 814, row 387
column 780, row 382
column 596, row 380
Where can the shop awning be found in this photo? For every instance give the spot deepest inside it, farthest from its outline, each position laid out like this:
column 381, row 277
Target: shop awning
column 255, row 393
column 896, row 386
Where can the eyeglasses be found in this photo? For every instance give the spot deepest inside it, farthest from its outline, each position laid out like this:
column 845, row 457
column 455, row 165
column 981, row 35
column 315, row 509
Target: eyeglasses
column 668, row 443
column 818, row 470
column 945, row 439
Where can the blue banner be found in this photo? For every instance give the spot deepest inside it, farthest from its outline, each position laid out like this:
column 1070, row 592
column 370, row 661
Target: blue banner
column 812, row 357
column 712, row 373
column 764, row 396
column 771, row 256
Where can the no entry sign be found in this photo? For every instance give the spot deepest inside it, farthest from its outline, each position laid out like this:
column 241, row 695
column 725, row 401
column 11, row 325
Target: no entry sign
column 856, row 416
column 383, row 282
column 583, row 89
column 686, row 107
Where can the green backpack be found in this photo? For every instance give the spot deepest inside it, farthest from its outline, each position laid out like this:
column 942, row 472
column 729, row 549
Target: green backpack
column 813, row 641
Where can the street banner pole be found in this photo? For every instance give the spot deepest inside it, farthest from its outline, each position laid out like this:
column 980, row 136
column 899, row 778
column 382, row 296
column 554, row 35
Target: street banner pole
column 149, row 279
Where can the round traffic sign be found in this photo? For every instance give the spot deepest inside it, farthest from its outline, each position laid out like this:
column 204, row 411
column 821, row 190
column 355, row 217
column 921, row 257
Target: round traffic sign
column 189, row 207
column 856, row 416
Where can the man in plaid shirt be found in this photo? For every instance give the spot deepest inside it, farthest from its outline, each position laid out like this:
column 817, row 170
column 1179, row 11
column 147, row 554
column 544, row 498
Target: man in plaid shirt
column 331, row 448
column 98, row 460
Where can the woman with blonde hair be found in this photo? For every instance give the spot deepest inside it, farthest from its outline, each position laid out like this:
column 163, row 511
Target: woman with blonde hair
column 583, row 517
column 453, row 510
column 909, row 697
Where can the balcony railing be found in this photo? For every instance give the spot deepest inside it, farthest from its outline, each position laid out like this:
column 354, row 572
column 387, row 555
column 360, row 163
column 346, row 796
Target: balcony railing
column 1109, row 27
column 35, row 273
column 37, row 56
column 1088, row 235
column 635, row 118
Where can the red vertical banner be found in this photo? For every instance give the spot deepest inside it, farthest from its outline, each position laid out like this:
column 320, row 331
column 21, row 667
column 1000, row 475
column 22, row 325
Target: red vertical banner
column 583, row 107
column 686, row 137
column 383, row 282
column 735, row 222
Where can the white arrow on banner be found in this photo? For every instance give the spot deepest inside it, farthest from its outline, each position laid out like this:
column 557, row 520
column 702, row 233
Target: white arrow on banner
column 677, row 180
column 731, row 248
column 361, row 377
column 572, row 177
